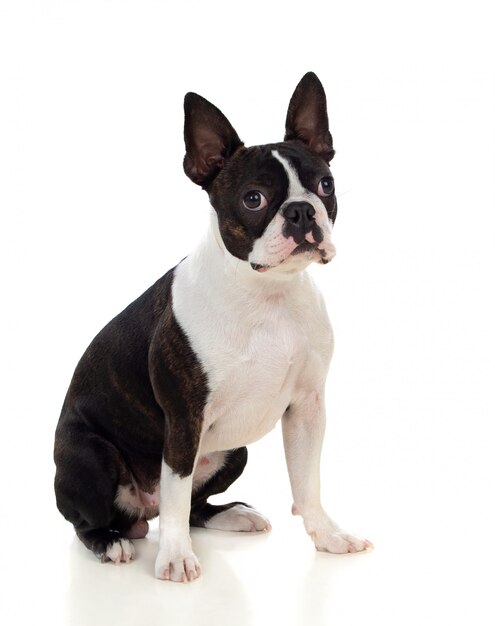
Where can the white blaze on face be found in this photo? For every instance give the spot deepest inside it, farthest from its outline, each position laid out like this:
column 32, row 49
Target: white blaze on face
column 272, row 248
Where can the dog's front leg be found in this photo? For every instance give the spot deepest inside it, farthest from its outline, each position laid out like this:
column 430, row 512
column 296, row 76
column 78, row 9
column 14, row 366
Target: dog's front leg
column 176, row 560
column 180, row 389
column 303, row 427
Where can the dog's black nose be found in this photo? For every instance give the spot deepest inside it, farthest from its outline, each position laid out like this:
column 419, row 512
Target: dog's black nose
column 300, row 213
column 300, row 218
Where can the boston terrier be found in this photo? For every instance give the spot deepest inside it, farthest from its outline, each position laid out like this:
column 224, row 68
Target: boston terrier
column 168, row 395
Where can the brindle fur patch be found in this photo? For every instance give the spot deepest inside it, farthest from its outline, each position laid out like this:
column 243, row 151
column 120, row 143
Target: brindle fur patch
column 181, row 389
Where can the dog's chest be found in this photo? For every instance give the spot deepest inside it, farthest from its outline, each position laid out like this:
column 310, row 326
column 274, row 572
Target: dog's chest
column 253, row 349
column 253, row 377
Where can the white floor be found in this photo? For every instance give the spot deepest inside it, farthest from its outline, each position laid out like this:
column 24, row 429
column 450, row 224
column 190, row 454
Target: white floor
column 95, row 207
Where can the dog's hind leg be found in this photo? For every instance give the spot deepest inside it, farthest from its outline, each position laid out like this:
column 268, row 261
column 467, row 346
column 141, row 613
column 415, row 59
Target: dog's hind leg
column 108, row 545
column 234, row 516
column 89, row 469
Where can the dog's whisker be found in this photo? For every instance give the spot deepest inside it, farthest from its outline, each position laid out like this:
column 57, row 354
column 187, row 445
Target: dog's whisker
column 343, row 193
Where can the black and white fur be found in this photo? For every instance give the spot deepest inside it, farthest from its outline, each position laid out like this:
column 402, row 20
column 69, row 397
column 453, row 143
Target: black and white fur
column 168, row 395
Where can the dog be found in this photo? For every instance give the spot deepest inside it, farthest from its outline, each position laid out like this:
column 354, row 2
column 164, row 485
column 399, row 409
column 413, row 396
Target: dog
column 168, row 395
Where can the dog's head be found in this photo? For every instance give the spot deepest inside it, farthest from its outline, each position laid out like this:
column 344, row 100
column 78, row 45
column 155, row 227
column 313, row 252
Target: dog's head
column 275, row 203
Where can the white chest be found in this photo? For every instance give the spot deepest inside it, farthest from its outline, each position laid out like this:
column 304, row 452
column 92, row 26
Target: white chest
column 253, row 380
column 258, row 346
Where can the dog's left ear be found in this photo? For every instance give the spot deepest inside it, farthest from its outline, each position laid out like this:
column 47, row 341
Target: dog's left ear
column 307, row 118
column 209, row 137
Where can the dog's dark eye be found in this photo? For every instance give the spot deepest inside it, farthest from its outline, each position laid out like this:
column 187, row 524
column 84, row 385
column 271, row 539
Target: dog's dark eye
column 325, row 188
column 255, row 200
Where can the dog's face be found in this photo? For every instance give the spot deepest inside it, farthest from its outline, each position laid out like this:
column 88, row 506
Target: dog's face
column 275, row 203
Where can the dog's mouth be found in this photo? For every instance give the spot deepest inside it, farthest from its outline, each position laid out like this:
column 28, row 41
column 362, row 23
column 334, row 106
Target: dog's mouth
column 306, row 247
column 260, row 268
column 311, row 249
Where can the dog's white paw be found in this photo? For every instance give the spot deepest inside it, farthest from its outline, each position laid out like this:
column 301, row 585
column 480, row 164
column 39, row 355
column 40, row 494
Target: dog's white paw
column 178, row 564
column 339, row 542
column 328, row 536
column 239, row 518
column 121, row 551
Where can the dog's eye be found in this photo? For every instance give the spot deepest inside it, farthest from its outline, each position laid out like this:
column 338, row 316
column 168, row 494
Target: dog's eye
column 255, row 200
column 325, row 188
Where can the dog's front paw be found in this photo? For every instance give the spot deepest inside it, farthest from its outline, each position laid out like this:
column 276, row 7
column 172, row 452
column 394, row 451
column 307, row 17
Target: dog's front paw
column 179, row 565
column 329, row 537
column 339, row 542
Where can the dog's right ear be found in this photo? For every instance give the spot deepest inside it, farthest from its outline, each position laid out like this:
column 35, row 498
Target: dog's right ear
column 209, row 137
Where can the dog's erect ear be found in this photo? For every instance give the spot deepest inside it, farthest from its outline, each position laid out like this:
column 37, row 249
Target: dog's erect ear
column 307, row 118
column 209, row 137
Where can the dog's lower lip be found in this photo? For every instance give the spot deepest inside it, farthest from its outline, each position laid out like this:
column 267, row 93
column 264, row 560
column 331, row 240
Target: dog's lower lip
column 260, row 268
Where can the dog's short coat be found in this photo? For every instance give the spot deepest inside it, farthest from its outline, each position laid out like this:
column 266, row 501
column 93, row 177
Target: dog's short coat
column 167, row 396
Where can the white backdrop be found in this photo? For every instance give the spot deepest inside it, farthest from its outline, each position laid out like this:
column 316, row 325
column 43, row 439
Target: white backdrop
column 95, row 206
